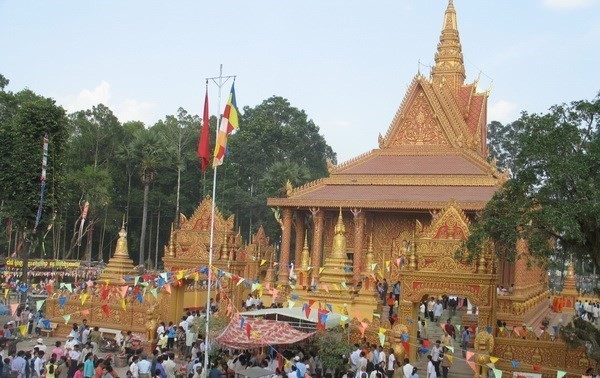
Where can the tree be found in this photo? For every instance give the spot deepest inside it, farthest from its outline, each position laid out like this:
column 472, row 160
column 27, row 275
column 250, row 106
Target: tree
column 149, row 153
column 179, row 135
column 332, row 345
column 553, row 197
column 273, row 136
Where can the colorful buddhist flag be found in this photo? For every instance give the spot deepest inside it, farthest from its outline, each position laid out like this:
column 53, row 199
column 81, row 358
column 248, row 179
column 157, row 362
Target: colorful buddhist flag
column 229, row 122
column 204, row 141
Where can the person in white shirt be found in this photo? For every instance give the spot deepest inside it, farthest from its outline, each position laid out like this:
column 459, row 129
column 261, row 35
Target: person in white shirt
column 160, row 330
column 134, row 368
column 407, row 369
column 431, row 368
column 391, row 364
column 184, row 324
column 85, row 335
column 438, row 309
column 38, row 364
column 382, row 358
column 250, row 302
column 354, row 357
column 40, row 345
column 436, row 352
column 292, row 373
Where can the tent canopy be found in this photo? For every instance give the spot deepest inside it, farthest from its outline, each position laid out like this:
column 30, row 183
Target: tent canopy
column 244, row 333
column 296, row 316
column 255, row 372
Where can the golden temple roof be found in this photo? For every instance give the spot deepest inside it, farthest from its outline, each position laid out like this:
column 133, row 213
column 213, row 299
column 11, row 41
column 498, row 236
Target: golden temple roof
column 434, row 151
column 120, row 265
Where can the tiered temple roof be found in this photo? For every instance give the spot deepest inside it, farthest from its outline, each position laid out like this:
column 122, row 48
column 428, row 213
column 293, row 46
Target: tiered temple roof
column 434, row 151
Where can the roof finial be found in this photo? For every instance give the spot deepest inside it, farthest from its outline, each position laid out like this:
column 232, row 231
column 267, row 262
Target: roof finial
column 449, row 62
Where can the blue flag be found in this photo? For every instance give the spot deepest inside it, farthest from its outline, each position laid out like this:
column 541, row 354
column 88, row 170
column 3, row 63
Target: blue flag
column 62, row 301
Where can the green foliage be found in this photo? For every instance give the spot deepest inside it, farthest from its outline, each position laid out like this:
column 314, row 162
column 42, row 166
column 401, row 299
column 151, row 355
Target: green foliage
column 143, row 173
column 581, row 333
column 24, row 120
column 554, row 193
column 332, row 345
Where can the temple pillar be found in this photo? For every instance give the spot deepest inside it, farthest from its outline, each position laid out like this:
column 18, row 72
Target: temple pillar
column 299, row 238
column 359, row 232
column 317, row 242
column 286, row 244
column 408, row 314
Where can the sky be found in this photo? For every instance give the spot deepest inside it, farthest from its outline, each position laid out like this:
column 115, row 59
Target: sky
column 347, row 63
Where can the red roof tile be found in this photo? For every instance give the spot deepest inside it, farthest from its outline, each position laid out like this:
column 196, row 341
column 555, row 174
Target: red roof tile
column 414, row 165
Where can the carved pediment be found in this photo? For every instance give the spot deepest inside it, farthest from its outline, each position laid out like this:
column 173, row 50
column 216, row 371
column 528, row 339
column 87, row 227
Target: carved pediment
column 451, row 224
column 200, row 220
column 417, row 123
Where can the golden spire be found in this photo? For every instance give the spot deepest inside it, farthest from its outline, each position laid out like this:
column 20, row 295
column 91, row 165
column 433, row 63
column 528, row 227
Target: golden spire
column 121, row 249
column 120, row 265
column 338, row 250
column 571, row 270
column 224, row 248
column 305, row 252
column 449, row 69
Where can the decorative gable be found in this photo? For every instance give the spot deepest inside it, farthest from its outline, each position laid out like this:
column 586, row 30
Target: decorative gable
column 417, row 123
column 450, row 224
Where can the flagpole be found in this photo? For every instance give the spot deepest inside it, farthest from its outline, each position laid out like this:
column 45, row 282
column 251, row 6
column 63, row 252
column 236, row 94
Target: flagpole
column 219, row 84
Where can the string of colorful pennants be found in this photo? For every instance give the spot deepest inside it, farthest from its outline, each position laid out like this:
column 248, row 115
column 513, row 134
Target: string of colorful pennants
column 165, row 279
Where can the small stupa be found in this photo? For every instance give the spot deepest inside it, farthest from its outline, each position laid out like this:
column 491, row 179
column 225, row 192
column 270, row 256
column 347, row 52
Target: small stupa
column 120, row 265
column 569, row 293
column 337, row 267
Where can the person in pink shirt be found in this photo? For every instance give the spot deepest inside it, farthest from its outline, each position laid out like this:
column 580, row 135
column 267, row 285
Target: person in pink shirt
column 57, row 350
column 79, row 372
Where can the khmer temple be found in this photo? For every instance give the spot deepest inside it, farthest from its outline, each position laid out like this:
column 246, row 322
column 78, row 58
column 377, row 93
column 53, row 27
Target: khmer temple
column 402, row 211
column 189, row 248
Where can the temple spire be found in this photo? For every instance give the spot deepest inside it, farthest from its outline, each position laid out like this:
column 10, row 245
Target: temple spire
column 449, row 69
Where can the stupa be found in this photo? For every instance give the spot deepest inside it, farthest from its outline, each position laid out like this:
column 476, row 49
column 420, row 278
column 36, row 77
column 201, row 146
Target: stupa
column 120, row 265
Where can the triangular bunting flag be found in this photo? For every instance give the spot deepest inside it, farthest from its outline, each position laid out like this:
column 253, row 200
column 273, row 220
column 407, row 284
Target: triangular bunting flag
column 136, row 279
column 494, row 359
column 23, row 329
column 39, row 304
column 560, row 373
column 85, row 312
column 472, row 365
column 373, row 266
column 123, row 305
column 154, row 292
column 381, row 338
column 469, row 355
column 291, row 304
column 450, row 348
column 516, row 363
column 497, row 372
column 14, row 306
column 537, row 368
column 67, row 318
column 84, row 297
column 106, row 310
column 321, row 270
column 61, row 302
column 168, row 288
column 263, row 262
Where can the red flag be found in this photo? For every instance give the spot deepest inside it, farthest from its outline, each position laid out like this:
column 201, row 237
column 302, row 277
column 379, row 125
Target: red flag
column 204, row 141
column 106, row 310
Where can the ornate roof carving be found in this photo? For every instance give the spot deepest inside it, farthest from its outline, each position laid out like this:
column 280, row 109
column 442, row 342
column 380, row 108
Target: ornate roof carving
column 441, row 118
column 451, row 224
column 200, row 220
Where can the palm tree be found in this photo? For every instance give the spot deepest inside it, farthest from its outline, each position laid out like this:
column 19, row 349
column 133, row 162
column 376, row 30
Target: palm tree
column 148, row 152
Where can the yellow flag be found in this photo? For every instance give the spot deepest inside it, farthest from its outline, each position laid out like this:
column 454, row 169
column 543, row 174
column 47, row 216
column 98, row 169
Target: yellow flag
column 23, row 329
column 122, row 301
column 263, row 262
column 196, row 276
column 180, row 274
column 494, row 359
column 5, row 293
column 84, row 297
column 382, row 330
column 321, row 270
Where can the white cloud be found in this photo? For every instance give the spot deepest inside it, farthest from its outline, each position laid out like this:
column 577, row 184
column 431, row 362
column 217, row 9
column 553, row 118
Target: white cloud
column 503, row 111
column 87, row 98
column 568, row 4
column 127, row 110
